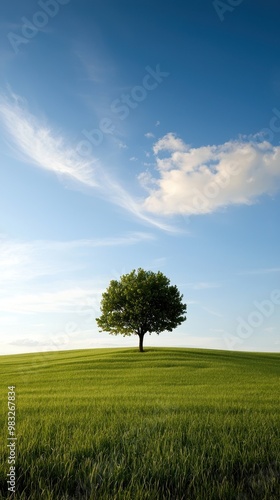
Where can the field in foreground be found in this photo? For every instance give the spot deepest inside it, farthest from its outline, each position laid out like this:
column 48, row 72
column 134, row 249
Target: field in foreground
column 166, row 424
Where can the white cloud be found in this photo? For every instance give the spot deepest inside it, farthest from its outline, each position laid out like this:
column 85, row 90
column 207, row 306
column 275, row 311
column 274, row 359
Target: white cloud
column 157, row 123
column 202, row 180
column 122, row 145
column 205, row 285
column 133, row 158
column 170, row 143
column 145, row 179
column 149, row 135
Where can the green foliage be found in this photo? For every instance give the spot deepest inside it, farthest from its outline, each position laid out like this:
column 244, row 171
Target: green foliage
column 141, row 302
column 186, row 424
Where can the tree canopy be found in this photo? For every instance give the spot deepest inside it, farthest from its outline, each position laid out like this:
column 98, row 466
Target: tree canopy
column 141, row 302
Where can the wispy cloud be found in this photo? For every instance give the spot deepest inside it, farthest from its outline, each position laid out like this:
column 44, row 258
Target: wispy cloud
column 38, row 144
column 169, row 143
column 202, row 285
column 56, row 301
column 24, row 261
column 95, row 70
column 122, row 145
column 270, row 329
column 202, row 180
column 27, row 342
column 158, row 263
column 149, row 135
column 95, row 63
column 268, row 270
column 119, row 196
column 41, row 146
column 212, row 312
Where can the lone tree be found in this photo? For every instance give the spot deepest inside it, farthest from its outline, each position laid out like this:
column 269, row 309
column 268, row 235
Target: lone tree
column 141, row 302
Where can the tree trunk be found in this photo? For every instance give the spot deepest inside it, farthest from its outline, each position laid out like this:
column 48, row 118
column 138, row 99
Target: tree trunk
column 141, row 338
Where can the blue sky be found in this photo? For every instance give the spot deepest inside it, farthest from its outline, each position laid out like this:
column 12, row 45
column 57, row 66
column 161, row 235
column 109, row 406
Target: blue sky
column 139, row 134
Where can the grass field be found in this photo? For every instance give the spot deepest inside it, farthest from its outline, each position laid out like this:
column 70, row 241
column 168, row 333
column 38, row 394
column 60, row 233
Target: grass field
column 165, row 424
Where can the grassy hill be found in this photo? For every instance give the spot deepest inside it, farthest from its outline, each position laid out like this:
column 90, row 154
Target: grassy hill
column 166, row 424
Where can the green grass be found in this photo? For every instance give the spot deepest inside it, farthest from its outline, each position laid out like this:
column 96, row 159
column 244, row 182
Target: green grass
column 166, row 424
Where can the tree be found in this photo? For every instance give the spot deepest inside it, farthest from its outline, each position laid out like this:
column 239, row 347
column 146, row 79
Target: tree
column 141, row 302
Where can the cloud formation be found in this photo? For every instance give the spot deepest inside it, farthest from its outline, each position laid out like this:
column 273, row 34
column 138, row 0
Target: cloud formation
column 56, row 301
column 204, row 179
column 41, row 146
column 268, row 270
column 38, row 144
column 27, row 342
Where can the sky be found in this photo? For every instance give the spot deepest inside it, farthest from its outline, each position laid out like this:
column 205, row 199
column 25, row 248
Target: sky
column 139, row 134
